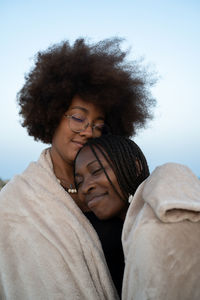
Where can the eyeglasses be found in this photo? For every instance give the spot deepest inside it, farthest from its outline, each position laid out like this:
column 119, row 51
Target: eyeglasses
column 78, row 123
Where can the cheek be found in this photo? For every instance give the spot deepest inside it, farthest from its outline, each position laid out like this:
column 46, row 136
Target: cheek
column 81, row 196
column 116, row 185
column 63, row 130
column 98, row 134
column 116, row 206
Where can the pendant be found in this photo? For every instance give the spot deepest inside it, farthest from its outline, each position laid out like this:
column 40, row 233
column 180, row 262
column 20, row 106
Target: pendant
column 71, row 190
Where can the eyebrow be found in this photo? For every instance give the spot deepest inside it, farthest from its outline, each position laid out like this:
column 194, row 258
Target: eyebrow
column 86, row 111
column 80, row 107
column 77, row 174
column 91, row 162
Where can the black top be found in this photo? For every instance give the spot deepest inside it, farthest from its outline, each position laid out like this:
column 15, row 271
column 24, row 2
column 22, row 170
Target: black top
column 109, row 232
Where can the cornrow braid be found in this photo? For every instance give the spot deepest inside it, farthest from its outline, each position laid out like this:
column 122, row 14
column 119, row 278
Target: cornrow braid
column 100, row 163
column 125, row 158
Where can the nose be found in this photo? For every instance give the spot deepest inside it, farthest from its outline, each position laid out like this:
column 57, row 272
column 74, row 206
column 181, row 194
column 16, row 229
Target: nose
column 87, row 132
column 86, row 187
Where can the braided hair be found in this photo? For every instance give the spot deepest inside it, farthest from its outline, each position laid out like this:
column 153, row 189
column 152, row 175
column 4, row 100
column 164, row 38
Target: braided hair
column 125, row 158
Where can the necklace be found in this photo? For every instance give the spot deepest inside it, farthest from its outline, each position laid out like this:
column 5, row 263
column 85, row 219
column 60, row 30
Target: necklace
column 70, row 190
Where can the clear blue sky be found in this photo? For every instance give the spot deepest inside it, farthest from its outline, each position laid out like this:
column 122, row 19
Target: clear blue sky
column 165, row 33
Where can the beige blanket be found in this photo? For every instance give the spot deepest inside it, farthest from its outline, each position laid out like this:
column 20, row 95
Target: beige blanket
column 48, row 249
column 161, row 237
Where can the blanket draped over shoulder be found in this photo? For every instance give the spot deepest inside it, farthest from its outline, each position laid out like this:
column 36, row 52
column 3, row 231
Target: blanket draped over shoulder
column 161, row 237
column 48, row 249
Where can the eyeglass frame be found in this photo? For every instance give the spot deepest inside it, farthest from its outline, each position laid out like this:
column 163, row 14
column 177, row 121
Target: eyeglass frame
column 85, row 127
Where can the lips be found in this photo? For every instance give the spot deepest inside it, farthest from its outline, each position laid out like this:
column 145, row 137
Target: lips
column 78, row 143
column 94, row 199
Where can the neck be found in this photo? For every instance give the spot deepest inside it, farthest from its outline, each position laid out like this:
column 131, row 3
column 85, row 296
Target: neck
column 62, row 169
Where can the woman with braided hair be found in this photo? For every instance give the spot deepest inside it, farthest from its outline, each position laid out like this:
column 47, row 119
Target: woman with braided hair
column 121, row 156
column 157, row 216
column 107, row 171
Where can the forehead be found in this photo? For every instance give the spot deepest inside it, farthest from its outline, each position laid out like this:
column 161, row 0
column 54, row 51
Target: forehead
column 86, row 156
column 87, row 107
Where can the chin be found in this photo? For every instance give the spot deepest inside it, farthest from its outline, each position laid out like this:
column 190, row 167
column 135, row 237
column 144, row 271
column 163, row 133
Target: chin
column 102, row 216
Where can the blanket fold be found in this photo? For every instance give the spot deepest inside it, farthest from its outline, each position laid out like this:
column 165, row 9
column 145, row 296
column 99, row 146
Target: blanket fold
column 49, row 250
column 173, row 192
column 161, row 237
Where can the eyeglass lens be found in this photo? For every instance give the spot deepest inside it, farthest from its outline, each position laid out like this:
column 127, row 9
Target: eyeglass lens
column 79, row 123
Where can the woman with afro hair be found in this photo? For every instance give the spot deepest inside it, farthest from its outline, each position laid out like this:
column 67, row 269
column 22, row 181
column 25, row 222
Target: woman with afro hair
column 73, row 93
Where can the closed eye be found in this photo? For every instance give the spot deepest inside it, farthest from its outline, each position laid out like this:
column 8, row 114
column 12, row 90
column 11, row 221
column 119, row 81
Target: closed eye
column 78, row 180
column 97, row 171
column 99, row 127
column 76, row 118
column 78, row 184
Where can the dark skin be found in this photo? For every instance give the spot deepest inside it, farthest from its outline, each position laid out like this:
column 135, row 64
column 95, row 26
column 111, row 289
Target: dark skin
column 94, row 189
column 66, row 143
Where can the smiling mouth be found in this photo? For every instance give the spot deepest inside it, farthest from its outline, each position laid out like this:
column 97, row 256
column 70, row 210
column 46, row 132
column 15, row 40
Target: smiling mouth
column 79, row 144
column 95, row 199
